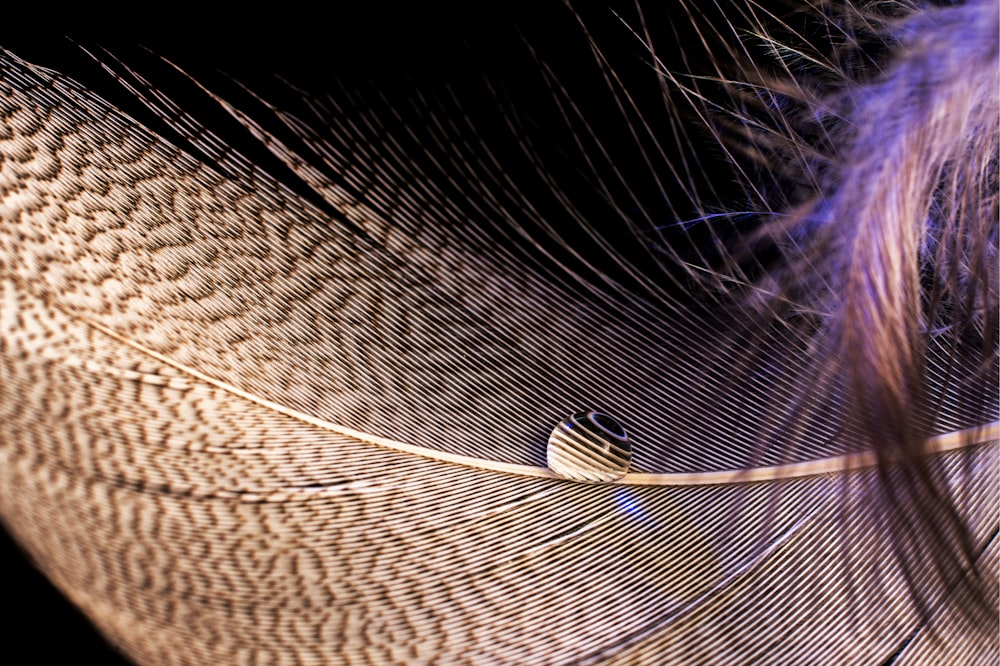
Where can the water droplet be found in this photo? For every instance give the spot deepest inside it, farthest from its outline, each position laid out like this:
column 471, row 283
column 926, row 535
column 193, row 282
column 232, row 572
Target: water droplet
column 589, row 446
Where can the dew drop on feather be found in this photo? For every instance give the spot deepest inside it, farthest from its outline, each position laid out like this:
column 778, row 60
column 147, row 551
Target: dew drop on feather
column 589, row 446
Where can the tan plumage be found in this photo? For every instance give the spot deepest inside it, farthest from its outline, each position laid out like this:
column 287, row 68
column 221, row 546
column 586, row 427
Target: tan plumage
column 235, row 428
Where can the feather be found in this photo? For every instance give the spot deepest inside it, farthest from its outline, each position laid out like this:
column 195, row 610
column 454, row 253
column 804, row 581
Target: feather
column 253, row 419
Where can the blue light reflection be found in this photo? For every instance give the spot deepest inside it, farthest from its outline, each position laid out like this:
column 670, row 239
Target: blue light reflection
column 629, row 504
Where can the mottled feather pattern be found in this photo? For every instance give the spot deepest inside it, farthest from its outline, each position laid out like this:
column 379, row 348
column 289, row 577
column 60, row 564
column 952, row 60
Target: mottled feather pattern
column 241, row 424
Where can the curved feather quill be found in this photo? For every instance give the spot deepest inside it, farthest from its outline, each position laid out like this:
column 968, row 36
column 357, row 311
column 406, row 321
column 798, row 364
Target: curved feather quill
column 240, row 425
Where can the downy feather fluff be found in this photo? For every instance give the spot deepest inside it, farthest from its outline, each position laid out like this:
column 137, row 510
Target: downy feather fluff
column 254, row 421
